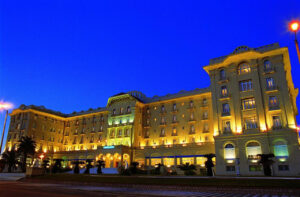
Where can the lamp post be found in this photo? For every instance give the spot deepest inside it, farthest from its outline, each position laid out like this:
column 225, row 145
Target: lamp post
column 6, row 107
column 294, row 27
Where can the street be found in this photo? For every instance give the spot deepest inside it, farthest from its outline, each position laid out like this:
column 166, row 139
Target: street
column 24, row 189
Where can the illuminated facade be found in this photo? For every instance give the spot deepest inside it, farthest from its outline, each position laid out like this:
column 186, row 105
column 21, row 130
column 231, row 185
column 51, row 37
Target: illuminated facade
column 249, row 109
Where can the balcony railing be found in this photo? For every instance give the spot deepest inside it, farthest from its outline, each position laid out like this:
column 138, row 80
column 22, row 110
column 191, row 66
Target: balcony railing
column 274, row 107
column 225, row 113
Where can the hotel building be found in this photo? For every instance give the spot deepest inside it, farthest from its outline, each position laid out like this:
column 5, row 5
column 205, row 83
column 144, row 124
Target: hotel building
column 249, row 109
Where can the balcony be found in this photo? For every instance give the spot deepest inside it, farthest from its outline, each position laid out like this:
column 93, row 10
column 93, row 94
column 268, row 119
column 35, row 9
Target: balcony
column 192, row 132
column 174, row 134
column 269, row 70
column 225, row 113
column 162, row 135
column 274, row 107
column 163, row 123
column 223, row 80
column 204, row 117
column 146, row 136
column 272, row 88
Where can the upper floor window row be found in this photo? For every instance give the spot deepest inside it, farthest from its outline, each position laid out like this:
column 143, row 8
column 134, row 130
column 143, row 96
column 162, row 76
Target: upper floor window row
column 268, row 67
column 246, row 85
column 114, row 112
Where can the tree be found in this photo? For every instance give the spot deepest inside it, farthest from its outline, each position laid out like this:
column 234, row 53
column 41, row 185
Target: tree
column 57, row 165
column 76, row 167
column 266, row 161
column 209, row 163
column 11, row 159
column 133, row 167
column 188, row 169
column 88, row 166
column 100, row 164
column 26, row 148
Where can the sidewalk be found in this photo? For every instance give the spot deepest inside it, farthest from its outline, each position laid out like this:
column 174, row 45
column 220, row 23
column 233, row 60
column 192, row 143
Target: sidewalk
column 11, row 176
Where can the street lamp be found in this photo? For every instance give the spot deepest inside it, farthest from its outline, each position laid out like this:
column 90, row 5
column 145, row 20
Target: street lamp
column 294, row 27
column 6, row 107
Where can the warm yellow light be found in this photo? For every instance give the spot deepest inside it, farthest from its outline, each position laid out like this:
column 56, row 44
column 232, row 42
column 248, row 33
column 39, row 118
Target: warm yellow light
column 238, row 130
column 45, row 150
column 42, row 156
column 5, row 106
column 294, row 26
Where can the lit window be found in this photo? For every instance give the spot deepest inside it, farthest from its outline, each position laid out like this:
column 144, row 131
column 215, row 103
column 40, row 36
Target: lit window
column 114, row 112
column 128, row 109
column 163, row 120
column 205, row 128
column 273, row 101
column 270, row 83
column 276, row 122
column 225, row 108
column 162, row 132
column 204, row 101
column 224, row 91
column 229, row 151
column 250, row 123
column 244, row 68
column 192, row 129
column 267, row 65
column 281, row 149
column 121, row 110
column 222, row 74
column 174, row 131
column 248, row 103
column 246, row 85
column 253, row 149
column 226, row 126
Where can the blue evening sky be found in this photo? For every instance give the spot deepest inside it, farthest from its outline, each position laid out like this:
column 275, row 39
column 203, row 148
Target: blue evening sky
column 73, row 54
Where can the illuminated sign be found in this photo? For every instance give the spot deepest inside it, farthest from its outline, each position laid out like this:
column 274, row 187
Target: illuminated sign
column 108, row 147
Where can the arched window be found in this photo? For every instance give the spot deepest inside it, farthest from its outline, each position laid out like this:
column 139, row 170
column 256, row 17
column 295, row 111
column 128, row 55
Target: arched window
column 281, row 149
column 222, row 74
column 229, row 151
column 267, row 65
column 244, row 68
column 253, row 149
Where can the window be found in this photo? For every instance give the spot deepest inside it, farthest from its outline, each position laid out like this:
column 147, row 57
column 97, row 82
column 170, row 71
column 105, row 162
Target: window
column 205, row 115
column 270, row 83
column 224, row 92
column 121, row 110
column 254, row 168
column 174, row 118
column 126, row 132
column 273, row 102
column 281, row 149
column 191, row 104
column 205, row 128
column 244, row 68
column 114, row 112
column 163, row 108
column 253, row 149
column 174, row 107
column 147, row 122
column 230, row 168
column 174, row 131
column 148, row 110
column 225, row 109
column 276, row 122
column 162, row 132
column 267, row 66
column 128, row 109
column 250, row 123
column 192, row 116
column 248, row 103
column 226, row 126
column 163, row 120
column 147, row 134
column 112, row 133
column 192, row 129
column 283, row 168
column 246, row 85
column 204, row 101
column 222, row 74
column 229, row 151
column 120, row 133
